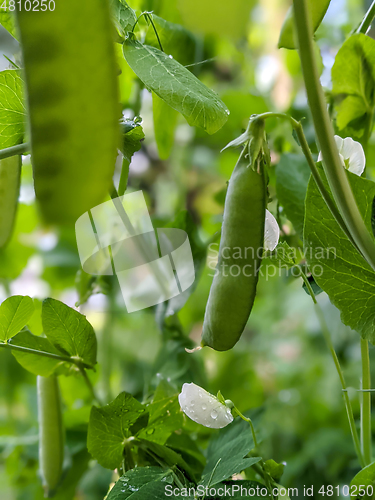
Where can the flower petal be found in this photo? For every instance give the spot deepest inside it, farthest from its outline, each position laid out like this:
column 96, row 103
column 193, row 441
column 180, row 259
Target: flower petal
column 203, row 407
column 352, row 151
column 271, row 232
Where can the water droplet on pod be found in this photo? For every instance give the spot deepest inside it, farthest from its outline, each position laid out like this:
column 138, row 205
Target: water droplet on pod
column 214, row 414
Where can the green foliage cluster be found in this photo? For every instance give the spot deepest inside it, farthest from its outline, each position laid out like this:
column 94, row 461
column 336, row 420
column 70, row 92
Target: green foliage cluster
column 151, row 84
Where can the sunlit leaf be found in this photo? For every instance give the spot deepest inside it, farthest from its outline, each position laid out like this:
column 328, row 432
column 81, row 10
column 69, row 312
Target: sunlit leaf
column 14, row 314
column 175, row 39
column 176, row 86
column 109, row 428
column 317, row 10
column 353, row 81
column 292, row 177
column 12, row 109
column 69, row 330
column 337, row 267
column 34, row 363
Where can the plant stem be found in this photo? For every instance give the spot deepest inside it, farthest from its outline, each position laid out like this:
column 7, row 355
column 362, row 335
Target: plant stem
column 66, row 359
column 367, row 20
column 328, row 340
column 267, row 478
column 336, row 174
column 19, row 149
column 57, row 357
column 123, row 184
column 89, row 385
column 366, row 434
column 248, row 420
column 297, row 126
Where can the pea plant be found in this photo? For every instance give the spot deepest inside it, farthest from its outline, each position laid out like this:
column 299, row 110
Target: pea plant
column 62, row 103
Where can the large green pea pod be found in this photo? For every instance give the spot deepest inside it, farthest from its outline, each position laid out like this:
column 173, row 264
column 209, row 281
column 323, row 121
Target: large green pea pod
column 71, row 87
column 10, row 174
column 51, row 433
column 233, row 288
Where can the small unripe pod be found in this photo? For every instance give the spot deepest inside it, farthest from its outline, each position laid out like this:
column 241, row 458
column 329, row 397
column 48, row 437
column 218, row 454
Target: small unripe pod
column 51, row 433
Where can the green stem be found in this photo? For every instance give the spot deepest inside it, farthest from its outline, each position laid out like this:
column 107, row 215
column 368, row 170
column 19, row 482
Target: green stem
column 89, row 385
column 123, row 184
column 328, row 340
column 248, row 420
column 297, row 126
column 267, row 478
column 367, row 20
column 57, row 357
column 19, row 149
column 336, row 174
column 366, row 435
column 368, row 130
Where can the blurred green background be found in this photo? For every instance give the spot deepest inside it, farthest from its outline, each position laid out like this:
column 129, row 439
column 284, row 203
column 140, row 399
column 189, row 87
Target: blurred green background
column 281, row 366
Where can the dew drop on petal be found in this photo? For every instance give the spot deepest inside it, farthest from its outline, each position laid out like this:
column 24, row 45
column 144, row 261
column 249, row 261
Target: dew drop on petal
column 214, row 414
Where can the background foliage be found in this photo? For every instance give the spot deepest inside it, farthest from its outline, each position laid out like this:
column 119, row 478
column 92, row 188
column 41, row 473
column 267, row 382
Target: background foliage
column 280, row 369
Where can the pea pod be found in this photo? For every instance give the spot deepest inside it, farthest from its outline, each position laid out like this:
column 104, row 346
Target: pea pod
column 10, row 173
column 51, row 434
column 233, row 288
column 71, row 86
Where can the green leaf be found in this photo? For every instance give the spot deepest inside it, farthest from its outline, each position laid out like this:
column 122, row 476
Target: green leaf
column 165, row 416
column 274, row 469
column 165, row 122
column 336, row 265
column 238, row 488
column 283, row 255
column 12, row 109
column 88, row 285
column 14, row 257
column 317, row 10
column 69, row 331
column 353, row 79
column 175, row 39
column 141, row 483
column 14, row 314
column 184, row 445
column 70, row 73
column 226, row 452
column 360, row 482
column 132, row 137
column 315, row 287
column 10, row 176
column 292, row 177
column 176, row 86
column 109, row 428
column 167, row 455
column 125, row 16
column 7, row 22
column 34, row 363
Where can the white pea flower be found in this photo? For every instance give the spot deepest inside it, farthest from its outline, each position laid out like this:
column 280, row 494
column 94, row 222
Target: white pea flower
column 271, row 232
column 203, row 407
column 351, row 154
